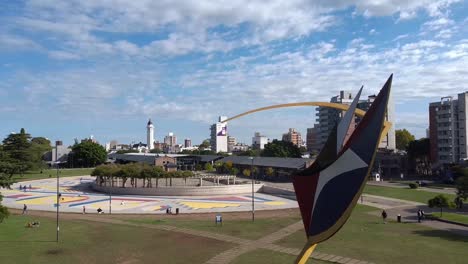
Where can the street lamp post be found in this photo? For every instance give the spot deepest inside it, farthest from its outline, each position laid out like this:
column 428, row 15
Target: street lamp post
column 110, row 200
column 58, row 201
column 253, row 197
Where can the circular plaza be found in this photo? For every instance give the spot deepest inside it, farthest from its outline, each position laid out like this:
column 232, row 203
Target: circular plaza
column 79, row 193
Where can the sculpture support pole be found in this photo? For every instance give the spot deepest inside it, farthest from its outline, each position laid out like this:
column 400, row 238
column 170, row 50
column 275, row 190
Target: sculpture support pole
column 305, row 253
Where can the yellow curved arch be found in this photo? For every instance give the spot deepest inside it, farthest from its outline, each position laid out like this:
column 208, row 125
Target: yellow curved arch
column 342, row 107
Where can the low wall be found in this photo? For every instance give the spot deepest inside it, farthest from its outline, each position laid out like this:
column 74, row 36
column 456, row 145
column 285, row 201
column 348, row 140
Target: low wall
column 181, row 191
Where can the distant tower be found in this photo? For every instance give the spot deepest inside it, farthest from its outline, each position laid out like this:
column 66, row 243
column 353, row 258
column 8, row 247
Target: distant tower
column 150, row 135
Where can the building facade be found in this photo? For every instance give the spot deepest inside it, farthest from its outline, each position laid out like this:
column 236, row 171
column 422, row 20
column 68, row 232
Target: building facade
column 187, row 143
column 293, row 136
column 231, row 141
column 447, row 130
column 170, row 140
column 259, row 141
column 327, row 118
column 312, row 139
column 219, row 136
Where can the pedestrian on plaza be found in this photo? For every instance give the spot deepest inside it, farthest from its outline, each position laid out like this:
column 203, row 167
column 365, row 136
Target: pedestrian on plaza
column 423, row 215
column 25, row 208
column 99, row 210
column 30, row 187
column 419, row 215
column 21, row 187
column 84, row 210
column 384, row 216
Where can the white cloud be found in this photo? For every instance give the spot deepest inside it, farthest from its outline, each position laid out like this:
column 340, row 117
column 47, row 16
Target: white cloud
column 15, row 42
column 197, row 26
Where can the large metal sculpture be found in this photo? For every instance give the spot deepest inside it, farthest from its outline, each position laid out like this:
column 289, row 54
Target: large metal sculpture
column 328, row 190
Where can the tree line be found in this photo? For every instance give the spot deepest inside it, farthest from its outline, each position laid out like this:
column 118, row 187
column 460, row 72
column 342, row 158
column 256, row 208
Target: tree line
column 132, row 171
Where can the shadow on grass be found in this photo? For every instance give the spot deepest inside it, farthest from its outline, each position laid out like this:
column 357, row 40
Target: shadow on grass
column 27, row 241
column 444, row 234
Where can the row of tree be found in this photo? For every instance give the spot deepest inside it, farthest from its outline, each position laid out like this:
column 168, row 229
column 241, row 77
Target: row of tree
column 150, row 175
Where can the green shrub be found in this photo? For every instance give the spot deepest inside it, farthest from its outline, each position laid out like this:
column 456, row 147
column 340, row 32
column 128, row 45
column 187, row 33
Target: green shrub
column 413, row 185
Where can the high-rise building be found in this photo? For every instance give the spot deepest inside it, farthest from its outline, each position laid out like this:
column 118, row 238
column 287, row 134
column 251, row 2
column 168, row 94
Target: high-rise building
column 187, row 143
column 327, row 118
column 293, row 136
column 312, row 140
column 231, row 141
column 259, row 141
column 218, row 139
column 448, row 130
column 170, row 140
column 150, row 135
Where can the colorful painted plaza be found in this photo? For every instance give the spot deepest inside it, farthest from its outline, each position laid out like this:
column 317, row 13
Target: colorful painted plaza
column 77, row 195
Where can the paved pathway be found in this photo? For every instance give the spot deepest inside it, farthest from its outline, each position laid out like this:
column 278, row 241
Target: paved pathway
column 408, row 211
column 405, row 186
column 267, row 242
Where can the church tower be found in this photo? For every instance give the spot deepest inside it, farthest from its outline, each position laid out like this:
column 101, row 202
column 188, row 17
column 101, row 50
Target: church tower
column 150, row 135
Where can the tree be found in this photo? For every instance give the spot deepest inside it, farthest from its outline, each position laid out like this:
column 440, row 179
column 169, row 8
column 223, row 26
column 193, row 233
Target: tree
column 88, row 154
column 403, row 137
column 124, row 151
column 419, row 156
column 39, row 147
column 4, row 213
column 246, row 172
column 234, row 171
column 17, row 148
column 250, row 153
column 205, row 144
column 440, row 201
column 279, row 148
column 462, row 187
column 208, row 167
column 269, row 171
column 156, row 150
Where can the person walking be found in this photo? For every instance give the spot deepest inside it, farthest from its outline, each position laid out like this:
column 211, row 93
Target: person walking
column 25, row 208
column 84, row 209
column 384, row 216
column 419, row 215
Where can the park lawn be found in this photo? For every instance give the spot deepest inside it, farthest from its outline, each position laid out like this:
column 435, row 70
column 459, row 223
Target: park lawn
column 365, row 237
column 453, row 217
column 238, row 228
column 408, row 194
column 51, row 173
column 93, row 242
column 264, row 256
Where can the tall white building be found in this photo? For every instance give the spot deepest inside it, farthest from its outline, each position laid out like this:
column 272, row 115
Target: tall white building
column 150, row 135
column 219, row 137
column 448, row 121
column 259, row 141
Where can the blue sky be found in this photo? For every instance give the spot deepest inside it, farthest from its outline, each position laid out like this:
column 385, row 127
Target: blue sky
column 71, row 69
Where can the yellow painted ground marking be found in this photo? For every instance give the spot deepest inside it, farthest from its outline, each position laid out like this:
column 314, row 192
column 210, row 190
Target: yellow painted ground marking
column 275, row 203
column 202, row 205
column 152, row 208
column 116, row 205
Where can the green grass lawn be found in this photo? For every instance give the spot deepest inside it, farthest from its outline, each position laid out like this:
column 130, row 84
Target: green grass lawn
column 265, row 256
column 90, row 242
column 36, row 175
column 404, row 194
column 238, row 228
column 365, row 237
column 453, row 217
